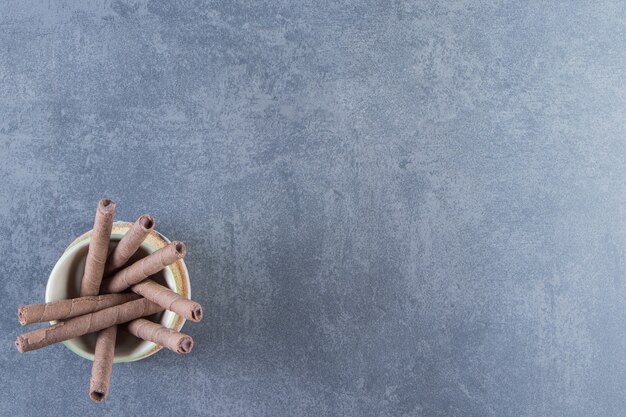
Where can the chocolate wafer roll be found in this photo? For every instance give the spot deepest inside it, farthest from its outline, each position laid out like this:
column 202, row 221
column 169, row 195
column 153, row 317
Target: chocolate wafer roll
column 87, row 323
column 144, row 267
column 96, row 260
column 66, row 309
column 175, row 341
column 168, row 299
column 102, row 364
column 98, row 248
column 130, row 243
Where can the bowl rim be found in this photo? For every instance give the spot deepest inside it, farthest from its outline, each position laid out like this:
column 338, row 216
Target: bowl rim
column 177, row 271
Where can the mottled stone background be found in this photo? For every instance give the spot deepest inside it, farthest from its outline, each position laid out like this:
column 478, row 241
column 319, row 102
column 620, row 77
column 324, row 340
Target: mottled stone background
column 391, row 208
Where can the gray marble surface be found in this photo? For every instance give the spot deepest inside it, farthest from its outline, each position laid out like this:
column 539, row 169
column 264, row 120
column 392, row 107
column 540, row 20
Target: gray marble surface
column 391, row 208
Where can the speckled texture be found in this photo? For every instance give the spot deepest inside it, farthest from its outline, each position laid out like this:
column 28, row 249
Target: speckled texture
column 391, row 208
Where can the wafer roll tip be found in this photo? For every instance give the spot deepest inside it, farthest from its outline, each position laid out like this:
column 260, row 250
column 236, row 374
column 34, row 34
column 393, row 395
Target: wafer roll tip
column 106, row 206
column 98, row 395
column 180, row 248
column 19, row 343
column 196, row 313
column 21, row 312
column 185, row 345
column 147, row 222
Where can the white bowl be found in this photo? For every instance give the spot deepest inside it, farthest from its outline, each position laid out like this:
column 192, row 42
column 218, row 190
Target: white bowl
column 64, row 283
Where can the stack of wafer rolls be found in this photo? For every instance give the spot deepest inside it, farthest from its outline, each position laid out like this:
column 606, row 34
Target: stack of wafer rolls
column 112, row 293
